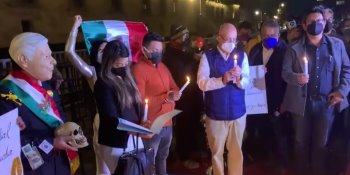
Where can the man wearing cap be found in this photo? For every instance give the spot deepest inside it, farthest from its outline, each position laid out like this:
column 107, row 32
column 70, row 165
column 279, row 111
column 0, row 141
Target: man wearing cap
column 181, row 63
column 42, row 152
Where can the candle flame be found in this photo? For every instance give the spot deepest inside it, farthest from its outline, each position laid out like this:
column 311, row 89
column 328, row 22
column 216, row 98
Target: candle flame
column 188, row 78
column 305, row 59
column 146, row 100
column 235, row 56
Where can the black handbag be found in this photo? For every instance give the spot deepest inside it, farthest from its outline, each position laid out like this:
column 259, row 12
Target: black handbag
column 136, row 162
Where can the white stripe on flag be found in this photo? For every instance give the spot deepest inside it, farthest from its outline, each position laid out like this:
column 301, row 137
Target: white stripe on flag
column 35, row 94
column 117, row 30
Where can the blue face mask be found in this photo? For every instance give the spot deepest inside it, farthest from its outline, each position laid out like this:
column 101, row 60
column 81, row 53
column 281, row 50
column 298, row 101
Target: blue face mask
column 270, row 42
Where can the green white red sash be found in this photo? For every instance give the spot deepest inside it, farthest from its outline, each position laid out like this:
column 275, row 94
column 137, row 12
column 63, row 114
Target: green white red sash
column 39, row 101
column 35, row 97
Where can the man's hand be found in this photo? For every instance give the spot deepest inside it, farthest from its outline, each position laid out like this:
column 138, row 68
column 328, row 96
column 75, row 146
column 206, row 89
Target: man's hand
column 237, row 72
column 174, row 96
column 61, row 143
column 335, row 98
column 259, row 83
column 228, row 76
column 20, row 123
column 302, row 78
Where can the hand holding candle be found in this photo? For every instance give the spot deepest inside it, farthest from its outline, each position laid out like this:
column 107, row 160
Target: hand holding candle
column 235, row 58
column 185, row 85
column 144, row 119
column 306, row 65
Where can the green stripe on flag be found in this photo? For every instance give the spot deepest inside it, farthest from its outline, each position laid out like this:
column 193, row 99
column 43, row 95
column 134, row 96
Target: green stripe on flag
column 93, row 31
column 31, row 104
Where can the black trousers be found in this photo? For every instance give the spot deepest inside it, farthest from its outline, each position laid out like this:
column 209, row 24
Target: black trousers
column 58, row 164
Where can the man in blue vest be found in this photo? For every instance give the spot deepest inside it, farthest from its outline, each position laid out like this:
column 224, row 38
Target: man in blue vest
column 223, row 74
column 317, row 71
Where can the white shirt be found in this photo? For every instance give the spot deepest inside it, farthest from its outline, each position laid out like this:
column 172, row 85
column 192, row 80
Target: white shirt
column 266, row 55
column 206, row 83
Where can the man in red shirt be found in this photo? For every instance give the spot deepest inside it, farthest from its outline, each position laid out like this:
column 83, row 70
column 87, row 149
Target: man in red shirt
column 156, row 84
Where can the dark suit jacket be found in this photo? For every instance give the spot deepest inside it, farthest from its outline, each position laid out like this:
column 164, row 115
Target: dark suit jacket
column 107, row 106
column 275, row 85
column 35, row 132
column 293, row 63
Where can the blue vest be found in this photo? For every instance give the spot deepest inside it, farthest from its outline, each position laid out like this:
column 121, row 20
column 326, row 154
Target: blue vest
column 226, row 103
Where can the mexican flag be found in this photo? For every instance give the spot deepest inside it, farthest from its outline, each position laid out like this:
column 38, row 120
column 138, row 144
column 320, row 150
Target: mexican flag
column 130, row 33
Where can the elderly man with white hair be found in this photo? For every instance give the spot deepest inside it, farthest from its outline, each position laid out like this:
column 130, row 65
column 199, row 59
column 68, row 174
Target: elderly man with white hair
column 42, row 152
column 223, row 75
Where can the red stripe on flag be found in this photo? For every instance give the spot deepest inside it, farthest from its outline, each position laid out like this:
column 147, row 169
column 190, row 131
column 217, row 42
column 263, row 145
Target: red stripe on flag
column 137, row 31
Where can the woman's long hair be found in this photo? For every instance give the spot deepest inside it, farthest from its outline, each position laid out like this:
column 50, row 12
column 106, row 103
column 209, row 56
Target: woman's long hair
column 125, row 89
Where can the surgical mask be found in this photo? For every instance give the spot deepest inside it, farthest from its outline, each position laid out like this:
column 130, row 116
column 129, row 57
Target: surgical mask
column 315, row 28
column 154, row 57
column 328, row 27
column 270, row 42
column 228, row 47
column 120, row 71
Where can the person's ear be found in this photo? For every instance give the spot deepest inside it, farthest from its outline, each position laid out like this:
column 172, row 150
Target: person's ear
column 23, row 61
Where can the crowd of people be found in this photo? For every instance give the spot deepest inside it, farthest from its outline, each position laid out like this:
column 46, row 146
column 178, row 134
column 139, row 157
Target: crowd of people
column 307, row 100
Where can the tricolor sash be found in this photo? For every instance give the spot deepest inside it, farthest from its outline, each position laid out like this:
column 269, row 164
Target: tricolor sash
column 41, row 104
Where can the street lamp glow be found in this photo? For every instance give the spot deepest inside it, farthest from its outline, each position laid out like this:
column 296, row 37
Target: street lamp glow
column 257, row 12
column 275, row 17
column 282, row 4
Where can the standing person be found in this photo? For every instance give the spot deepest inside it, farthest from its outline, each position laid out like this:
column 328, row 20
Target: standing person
column 37, row 104
column 156, row 84
column 116, row 97
column 225, row 109
column 313, row 100
column 90, row 74
column 245, row 30
column 270, row 53
column 181, row 64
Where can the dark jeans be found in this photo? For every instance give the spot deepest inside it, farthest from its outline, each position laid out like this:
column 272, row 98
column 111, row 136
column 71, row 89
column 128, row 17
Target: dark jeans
column 160, row 143
column 311, row 137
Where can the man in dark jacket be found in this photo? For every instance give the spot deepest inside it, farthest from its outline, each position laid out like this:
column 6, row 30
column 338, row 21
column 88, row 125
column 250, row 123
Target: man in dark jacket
column 37, row 105
column 317, row 71
column 181, row 63
column 270, row 53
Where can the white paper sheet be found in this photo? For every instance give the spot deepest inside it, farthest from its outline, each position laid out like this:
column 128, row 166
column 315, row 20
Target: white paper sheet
column 10, row 144
column 255, row 95
column 158, row 123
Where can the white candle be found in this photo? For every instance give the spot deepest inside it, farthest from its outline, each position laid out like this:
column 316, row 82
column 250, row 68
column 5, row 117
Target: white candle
column 235, row 58
column 145, row 111
column 185, row 85
column 306, row 66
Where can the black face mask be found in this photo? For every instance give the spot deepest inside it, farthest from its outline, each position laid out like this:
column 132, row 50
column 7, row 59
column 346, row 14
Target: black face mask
column 156, row 57
column 120, row 71
column 328, row 27
column 315, row 28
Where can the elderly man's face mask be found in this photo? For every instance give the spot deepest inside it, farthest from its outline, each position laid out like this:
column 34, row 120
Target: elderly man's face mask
column 41, row 66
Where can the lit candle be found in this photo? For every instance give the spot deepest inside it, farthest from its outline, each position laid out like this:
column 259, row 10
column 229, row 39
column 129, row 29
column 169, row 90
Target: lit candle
column 185, row 85
column 235, row 58
column 306, row 65
column 145, row 111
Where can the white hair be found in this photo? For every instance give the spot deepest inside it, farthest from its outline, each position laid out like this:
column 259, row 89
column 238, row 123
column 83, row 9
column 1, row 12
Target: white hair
column 26, row 44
